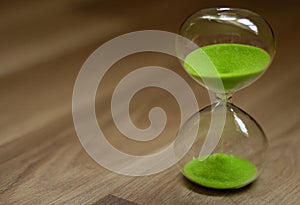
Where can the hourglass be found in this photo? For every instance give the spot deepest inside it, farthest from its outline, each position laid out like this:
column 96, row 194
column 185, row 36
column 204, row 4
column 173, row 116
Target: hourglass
column 235, row 46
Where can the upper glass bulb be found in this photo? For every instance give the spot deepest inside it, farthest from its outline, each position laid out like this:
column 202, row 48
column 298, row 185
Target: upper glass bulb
column 235, row 47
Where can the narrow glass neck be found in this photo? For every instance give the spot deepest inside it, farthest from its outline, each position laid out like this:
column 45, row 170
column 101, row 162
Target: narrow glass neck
column 224, row 97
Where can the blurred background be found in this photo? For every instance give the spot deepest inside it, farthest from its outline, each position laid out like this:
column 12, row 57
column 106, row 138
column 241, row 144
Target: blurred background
column 43, row 45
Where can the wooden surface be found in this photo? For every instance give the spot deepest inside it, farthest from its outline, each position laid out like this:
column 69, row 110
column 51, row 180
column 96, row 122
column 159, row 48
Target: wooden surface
column 42, row 47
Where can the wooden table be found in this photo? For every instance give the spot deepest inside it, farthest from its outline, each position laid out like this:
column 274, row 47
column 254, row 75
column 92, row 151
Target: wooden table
column 43, row 46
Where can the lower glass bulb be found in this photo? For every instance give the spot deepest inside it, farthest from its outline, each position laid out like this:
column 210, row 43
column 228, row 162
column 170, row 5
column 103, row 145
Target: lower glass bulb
column 237, row 157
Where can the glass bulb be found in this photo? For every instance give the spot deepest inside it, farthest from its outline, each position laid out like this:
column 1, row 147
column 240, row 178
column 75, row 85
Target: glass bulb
column 225, row 33
column 242, row 137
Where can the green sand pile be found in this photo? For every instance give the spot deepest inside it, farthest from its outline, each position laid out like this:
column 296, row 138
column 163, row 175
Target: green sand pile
column 236, row 64
column 220, row 171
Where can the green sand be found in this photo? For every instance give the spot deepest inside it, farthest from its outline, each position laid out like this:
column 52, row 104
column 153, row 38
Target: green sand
column 220, row 171
column 236, row 64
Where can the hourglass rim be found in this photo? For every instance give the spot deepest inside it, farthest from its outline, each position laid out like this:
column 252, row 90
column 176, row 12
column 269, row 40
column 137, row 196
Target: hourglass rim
column 273, row 37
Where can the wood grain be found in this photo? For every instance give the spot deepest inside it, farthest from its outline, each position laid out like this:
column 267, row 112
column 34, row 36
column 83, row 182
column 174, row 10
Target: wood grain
column 43, row 46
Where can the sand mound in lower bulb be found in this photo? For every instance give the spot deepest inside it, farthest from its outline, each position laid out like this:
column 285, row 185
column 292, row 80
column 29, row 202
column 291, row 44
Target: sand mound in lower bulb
column 220, row 171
